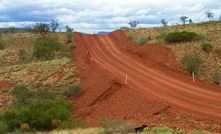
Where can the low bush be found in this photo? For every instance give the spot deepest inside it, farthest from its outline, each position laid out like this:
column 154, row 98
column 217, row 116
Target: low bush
column 216, row 78
column 116, row 126
column 3, row 127
column 142, row 40
column 218, row 51
column 132, row 38
column 23, row 95
column 70, row 124
column 207, row 47
column 73, row 90
column 40, row 114
column 192, row 62
column 11, row 119
column 183, row 36
column 3, row 44
column 46, row 47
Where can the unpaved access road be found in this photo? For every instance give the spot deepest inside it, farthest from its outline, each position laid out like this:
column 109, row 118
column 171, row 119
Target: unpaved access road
column 104, row 50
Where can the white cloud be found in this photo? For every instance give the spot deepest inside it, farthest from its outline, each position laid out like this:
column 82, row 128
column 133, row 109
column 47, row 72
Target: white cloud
column 105, row 15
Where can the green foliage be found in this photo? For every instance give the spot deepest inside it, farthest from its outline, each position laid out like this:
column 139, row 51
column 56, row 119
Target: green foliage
column 70, row 124
column 201, row 38
column 192, row 62
column 11, row 119
column 22, row 54
column 5, row 90
column 42, row 28
column 69, row 34
column 207, row 47
column 40, row 113
column 23, row 94
column 216, row 77
column 183, row 36
column 73, row 90
column 54, row 25
column 132, row 38
column 116, row 126
column 162, row 34
column 45, row 94
column 45, row 48
column 218, row 52
column 3, row 44
column 142, row 40
column 163, row 130
column 3, row 127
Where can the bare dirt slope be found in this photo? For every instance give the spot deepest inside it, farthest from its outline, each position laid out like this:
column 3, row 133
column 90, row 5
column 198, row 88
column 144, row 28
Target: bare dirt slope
column 154, row 94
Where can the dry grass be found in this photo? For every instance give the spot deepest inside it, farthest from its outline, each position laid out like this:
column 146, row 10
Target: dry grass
column 52, row 72
column 210, row 30
column 77, row 131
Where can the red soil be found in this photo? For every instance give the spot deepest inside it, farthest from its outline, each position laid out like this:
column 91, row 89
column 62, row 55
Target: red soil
column 155, row 94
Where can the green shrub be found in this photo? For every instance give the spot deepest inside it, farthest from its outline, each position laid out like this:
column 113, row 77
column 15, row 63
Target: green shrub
column 27, row 59
column 216, row 78
column 201, row 38
column 218, row 51
column 116, row 126
column 163, row 130
column 73, row 90
column 41, row 114
column 132, row 38
column 142, row 40
column 183, row 36
column 3, row 127
column 23, row 95
column 207, row 47
column 11, row 119
column 192, row 62
column 70, row 124
column 5, row 90
column 162, row 34
column 3, row 44
column 22, row 54
column 45, row 94
column 45, row 48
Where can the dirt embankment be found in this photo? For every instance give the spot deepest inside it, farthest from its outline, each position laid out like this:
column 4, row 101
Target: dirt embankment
column 155, row 94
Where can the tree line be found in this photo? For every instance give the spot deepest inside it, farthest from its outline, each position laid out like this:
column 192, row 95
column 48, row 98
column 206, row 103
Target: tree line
column 184, row 19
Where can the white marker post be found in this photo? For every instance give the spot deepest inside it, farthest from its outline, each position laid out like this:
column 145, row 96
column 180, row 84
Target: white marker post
column 193, row 77
column 126, row 80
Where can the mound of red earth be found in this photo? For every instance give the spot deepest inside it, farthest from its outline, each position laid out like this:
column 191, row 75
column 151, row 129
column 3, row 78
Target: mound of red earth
column 141, row 84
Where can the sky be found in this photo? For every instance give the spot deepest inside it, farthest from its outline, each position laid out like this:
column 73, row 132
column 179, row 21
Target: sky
column 92, row 16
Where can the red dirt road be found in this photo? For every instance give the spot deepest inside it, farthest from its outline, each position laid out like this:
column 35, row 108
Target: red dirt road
column 104, row 54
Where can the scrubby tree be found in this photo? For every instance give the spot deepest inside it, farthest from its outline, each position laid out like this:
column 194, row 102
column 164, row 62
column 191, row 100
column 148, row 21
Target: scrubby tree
column 54, row 25
column 45, row 48
column 192, row 62
column 164, row 22
column 209, row 14
column 220, row 17
column 69, row 34
column 12, row 29
column 190, row 21
column 183, row 19
column 133, row 23
column 42, row 28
